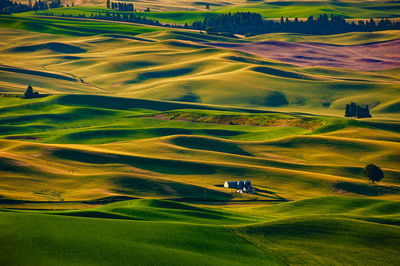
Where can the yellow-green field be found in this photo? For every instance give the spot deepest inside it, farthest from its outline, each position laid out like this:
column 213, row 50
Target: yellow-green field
column 122, row 159
column 164, row 64
column 182, row 10
column 79, row 148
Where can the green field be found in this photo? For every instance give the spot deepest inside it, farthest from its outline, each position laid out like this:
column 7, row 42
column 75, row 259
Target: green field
column 175, row 65
column 303, row 9
column 123, row 233
column 291, row 9
column 167, row 149
column 122, row 159
column 71, row 28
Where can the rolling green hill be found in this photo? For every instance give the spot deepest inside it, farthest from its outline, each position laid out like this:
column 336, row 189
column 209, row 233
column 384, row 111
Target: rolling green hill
column 123, row 157
column 146, row 148
column 303, row 9
column 271, row 9
column 173, row 232
column 155, row 63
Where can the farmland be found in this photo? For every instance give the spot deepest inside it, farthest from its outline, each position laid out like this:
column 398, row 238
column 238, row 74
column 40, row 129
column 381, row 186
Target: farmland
column 291, row 9
column 122, row 158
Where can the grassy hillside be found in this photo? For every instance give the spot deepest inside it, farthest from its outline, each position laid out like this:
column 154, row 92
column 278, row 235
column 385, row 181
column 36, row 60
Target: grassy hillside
column 118, row 241
column 176, row 65
column 271, row 9
column 303, row 9
column 71, row 27
column 351, row 38
column 123, row 158
column 306, row 230
column 91, row 147
column 286, row 233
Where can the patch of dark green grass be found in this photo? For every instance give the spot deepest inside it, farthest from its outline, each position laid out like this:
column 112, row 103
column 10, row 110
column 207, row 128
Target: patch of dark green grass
column 36, row 73
column 367, row 190
column 280, row 73
column 164, row 166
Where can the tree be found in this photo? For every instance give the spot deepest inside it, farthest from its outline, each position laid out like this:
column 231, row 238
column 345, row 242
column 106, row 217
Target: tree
column 29, row 93
column 373, row 172
column 108, row 4
column 347, row 112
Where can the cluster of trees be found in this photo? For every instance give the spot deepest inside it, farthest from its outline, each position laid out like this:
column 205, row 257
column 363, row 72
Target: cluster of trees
column 248, row 23
column 30, row 93
column 8, row 7
column 125, row 17
column 120, row 6
column 355, row 110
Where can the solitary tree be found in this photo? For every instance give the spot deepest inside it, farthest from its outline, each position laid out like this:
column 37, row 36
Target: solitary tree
column 373, row 172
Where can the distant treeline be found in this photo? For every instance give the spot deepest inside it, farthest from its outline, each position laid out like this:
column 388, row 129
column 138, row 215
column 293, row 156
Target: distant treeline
column 244, row 23
column 8, row 7
column 125, row 17
column 247, row 23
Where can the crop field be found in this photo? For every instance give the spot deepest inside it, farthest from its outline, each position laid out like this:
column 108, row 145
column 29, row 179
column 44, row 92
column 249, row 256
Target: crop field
column 122, row 158
column 275, row 9
column 183, row 232
column 169, row 64
column 303, row 9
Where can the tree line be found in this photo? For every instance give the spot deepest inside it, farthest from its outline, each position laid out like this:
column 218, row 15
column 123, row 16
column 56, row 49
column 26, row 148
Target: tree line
column 244, row 23
column 9, row 7
column 248, row 23
column 124, row 17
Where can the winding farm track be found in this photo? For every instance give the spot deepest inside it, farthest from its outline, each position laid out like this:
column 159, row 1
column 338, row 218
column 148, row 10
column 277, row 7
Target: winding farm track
column 365, row 57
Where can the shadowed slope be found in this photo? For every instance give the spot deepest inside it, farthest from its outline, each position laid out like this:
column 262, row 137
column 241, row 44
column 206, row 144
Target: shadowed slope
column 160, row 210
column 49, row 47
